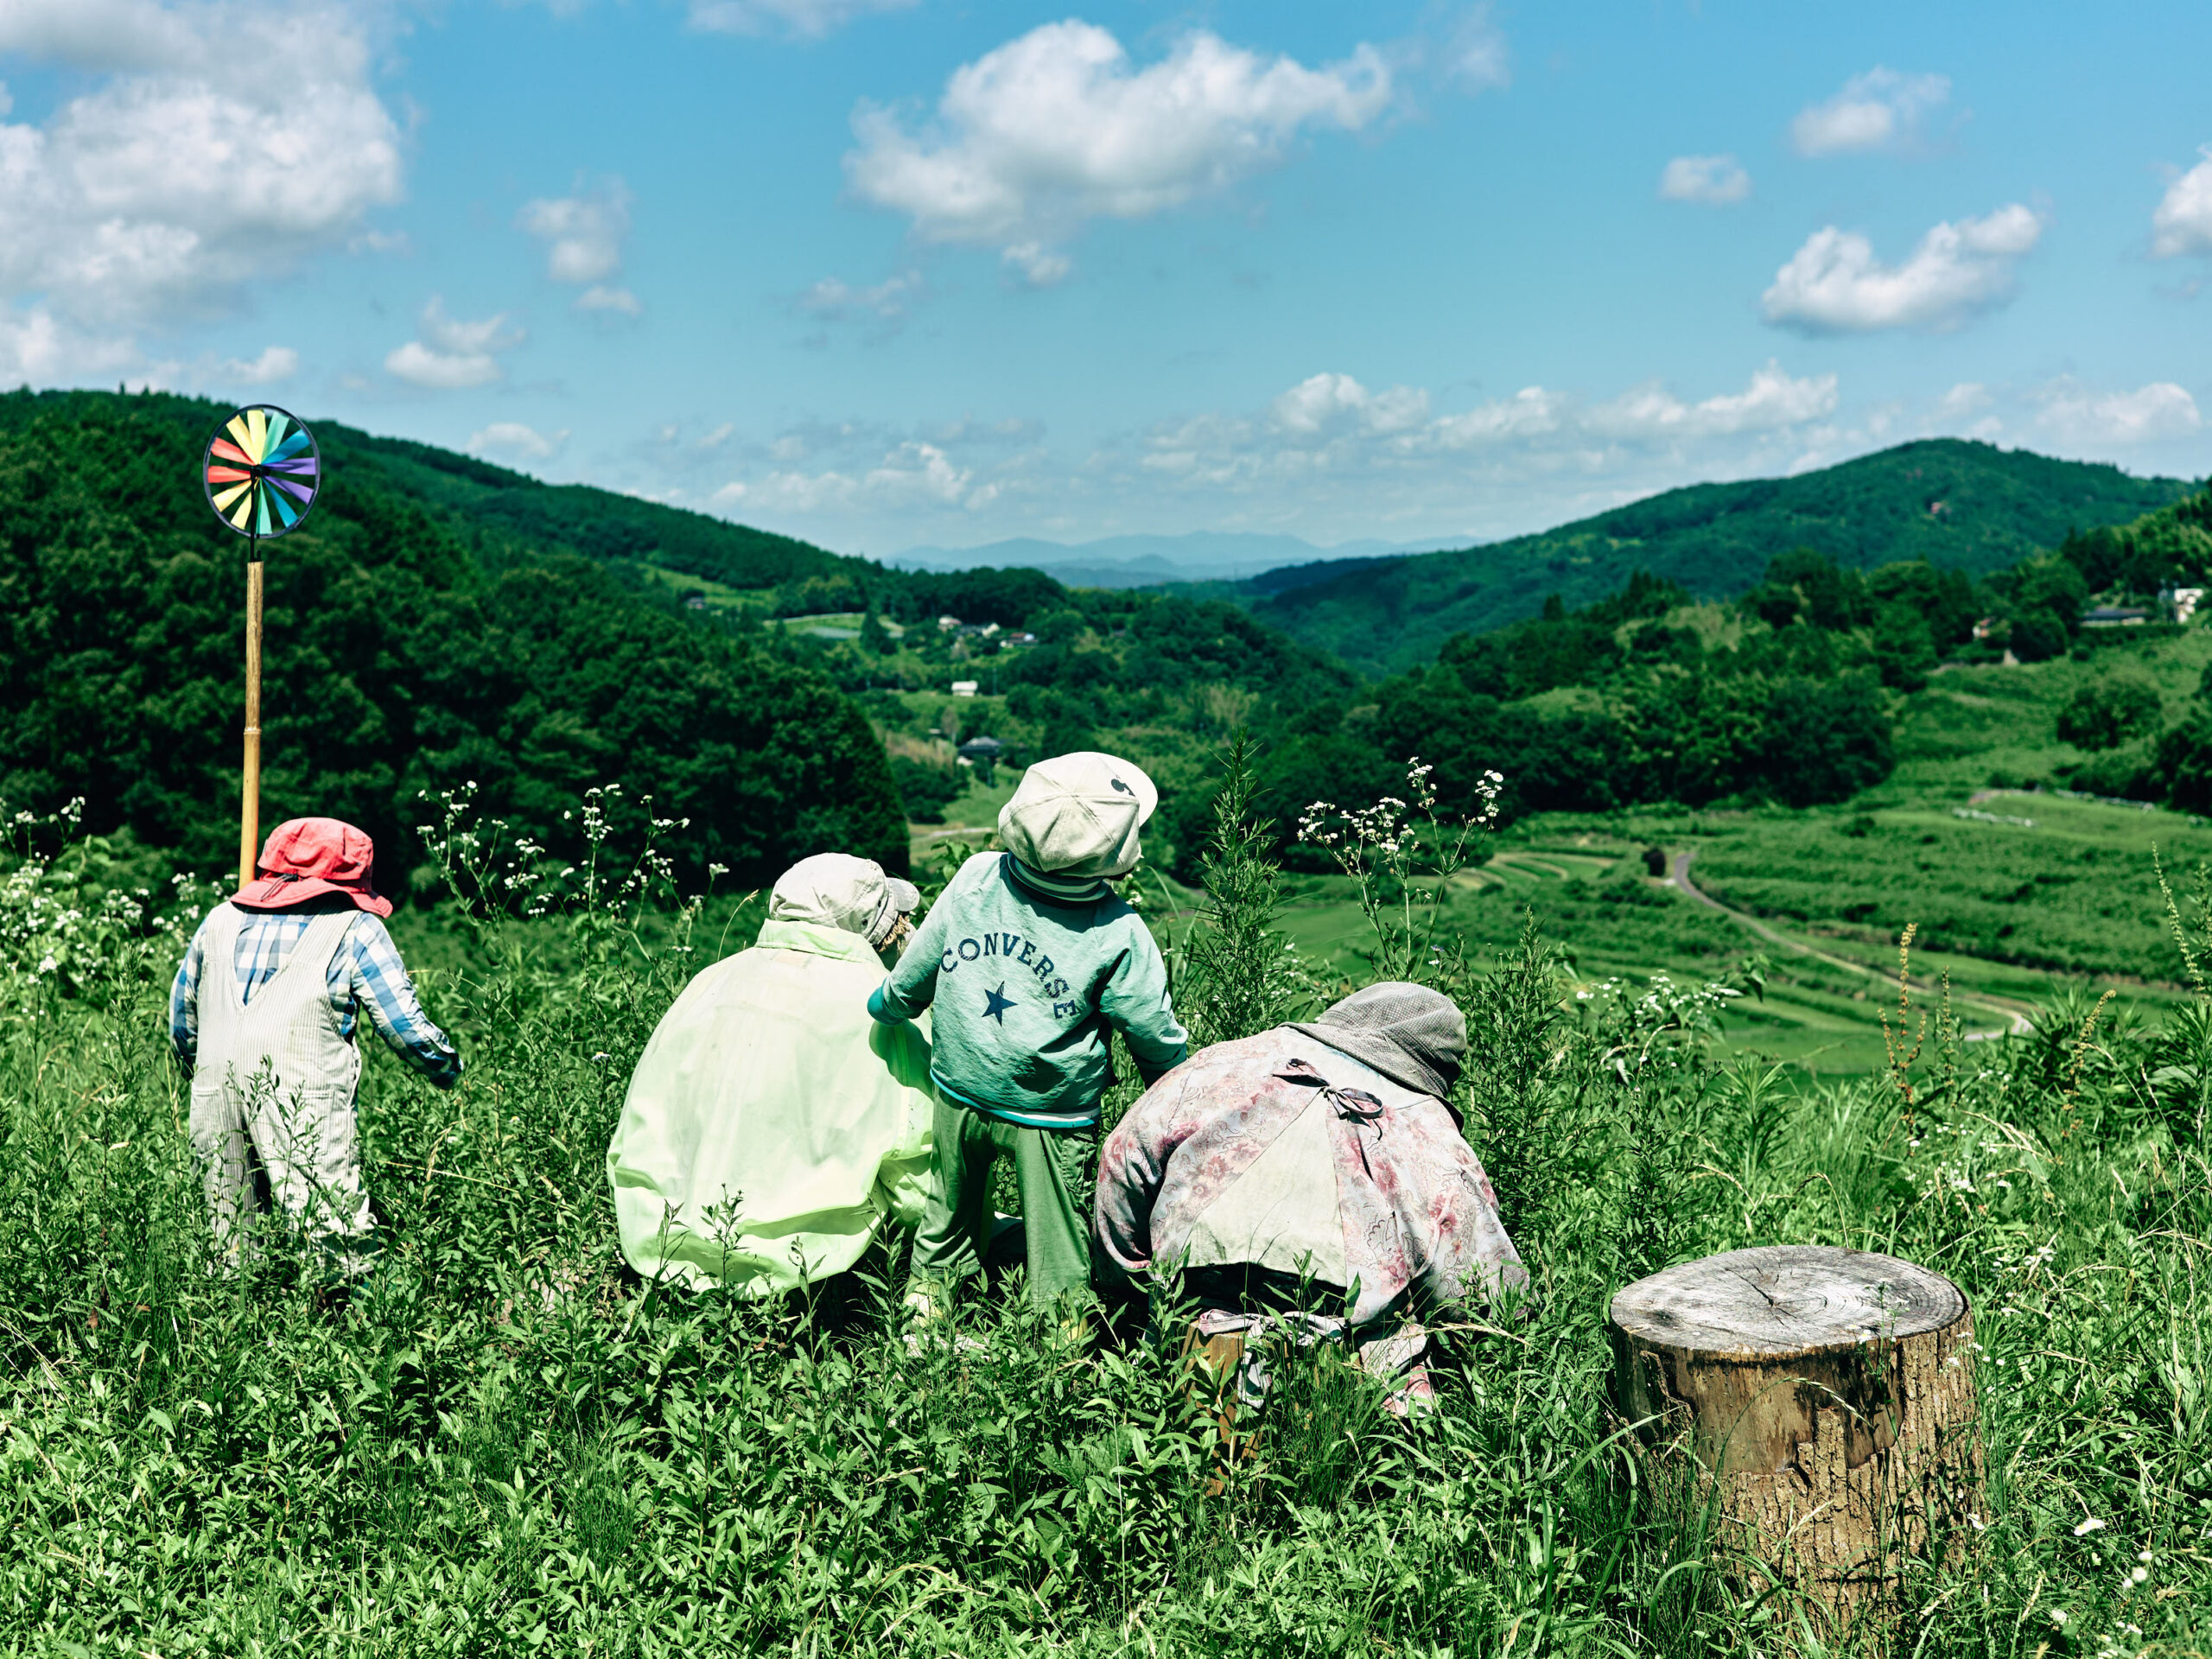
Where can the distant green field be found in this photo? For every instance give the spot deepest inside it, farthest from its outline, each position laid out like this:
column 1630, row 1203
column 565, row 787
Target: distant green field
column 1625, row 924
column 2013, row 912
column 2017, row 896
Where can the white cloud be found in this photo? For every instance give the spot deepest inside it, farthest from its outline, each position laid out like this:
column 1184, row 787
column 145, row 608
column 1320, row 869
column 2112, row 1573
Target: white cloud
column 1772, row 400
column 801, row 19
column 1476, row 56
column 1328, row 457
column 1329, row 424
column 1531, row 412
column 513, row 438
column 36, row 349
column 1834, row 284
column 1039, row 265
column 450, row 354
column 1879, row 109
column 1057, row 127
column 1714, row 181
column 2071, row 413
column 583, row 235
column 833, row 299
column 2183, row 221
column 600, row 297
column 1324, row 401
column 176, row 177
column 1967, row 397
column 275, row 363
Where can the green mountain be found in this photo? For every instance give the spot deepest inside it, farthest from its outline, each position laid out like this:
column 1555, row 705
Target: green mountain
column 1957, row 505
column 485, row 504
column 436, row 625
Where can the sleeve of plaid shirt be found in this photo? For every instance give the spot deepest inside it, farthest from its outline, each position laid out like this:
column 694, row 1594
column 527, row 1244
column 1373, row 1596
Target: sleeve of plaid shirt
column 184, row 1000
column 380, row 985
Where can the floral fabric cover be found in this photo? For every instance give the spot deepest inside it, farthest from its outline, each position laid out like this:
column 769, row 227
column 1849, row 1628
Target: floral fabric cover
column 1413, row 1223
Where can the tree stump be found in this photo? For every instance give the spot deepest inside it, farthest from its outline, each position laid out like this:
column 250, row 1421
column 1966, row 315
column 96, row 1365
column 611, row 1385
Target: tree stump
column 1827, row 1399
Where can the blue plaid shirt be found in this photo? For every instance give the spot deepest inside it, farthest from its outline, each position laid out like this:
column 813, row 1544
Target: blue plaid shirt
column 364, row 973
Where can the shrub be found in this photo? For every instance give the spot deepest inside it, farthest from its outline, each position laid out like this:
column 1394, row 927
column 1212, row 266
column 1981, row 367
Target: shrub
column 926, row 787
column 2107, row 712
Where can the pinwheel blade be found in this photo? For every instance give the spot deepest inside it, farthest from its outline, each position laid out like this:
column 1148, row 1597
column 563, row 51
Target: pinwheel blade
column 262, row 471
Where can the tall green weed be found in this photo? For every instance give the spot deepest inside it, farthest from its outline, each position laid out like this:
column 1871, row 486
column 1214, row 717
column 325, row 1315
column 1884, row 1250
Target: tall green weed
column 503, row 1445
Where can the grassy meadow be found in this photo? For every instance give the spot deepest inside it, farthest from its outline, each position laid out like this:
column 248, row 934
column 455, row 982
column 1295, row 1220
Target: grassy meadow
column 498, row 1445
column 2023, row 897
column 502, row 1444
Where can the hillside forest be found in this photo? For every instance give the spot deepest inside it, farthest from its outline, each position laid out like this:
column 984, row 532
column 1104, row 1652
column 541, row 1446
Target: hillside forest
column 444, row 626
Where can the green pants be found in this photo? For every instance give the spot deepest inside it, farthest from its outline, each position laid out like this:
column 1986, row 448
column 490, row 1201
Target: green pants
column 1050, row 1167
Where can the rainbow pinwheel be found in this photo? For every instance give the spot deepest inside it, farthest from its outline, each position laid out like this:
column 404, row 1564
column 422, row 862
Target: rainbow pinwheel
column 263, row 471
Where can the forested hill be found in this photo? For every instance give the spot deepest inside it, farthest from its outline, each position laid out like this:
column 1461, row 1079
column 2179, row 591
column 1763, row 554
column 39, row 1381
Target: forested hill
column 422, row 636
column 484, row 504
column 1953, row 503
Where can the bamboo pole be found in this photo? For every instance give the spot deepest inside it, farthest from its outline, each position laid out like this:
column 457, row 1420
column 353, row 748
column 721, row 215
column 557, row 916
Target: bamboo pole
column 249, row 809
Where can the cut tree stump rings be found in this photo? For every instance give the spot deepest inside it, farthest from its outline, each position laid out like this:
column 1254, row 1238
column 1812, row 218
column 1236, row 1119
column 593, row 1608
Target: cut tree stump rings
column 1826, row 1398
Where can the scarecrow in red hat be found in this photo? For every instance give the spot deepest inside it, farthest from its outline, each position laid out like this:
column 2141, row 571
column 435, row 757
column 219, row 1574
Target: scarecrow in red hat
column 268, row 1045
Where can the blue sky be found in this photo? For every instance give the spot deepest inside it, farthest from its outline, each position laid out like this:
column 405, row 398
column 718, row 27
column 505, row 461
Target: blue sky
column 881, row 274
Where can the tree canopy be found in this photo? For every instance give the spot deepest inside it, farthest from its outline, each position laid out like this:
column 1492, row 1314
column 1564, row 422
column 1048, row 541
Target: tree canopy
column 397, row 661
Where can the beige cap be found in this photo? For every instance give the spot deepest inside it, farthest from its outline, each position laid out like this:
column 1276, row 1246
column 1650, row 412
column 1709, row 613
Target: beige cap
column 1078, row 815
column 837, row 890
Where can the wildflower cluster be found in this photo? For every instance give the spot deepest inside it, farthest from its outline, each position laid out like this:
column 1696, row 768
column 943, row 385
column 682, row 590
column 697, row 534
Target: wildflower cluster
column 523, row 877
column 1402, row 857
column 1644, row 1031
column 62, row 930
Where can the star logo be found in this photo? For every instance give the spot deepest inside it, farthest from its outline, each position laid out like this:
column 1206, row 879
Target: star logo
column 996, row 1003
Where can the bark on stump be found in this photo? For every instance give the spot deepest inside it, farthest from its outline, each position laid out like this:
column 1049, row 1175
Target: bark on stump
column 1827, row 1399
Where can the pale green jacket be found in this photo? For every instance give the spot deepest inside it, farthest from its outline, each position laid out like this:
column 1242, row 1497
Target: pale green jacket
column 773, row 1128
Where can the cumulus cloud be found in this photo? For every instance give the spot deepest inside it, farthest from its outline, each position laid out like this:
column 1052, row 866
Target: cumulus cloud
column 583, row 235
column 1329, row 424
column 513, row 439
column 914, row 475
column 1328, row 456
column 1325, row 401
column 448, row 354
column 2183, row 220
column 173, row 179
column 38, row 348
column 1037, row 264
column 1058, row 127
column 1716, row 181
column 1531, row 412
column 599, row 297
column 1772, row 400
column 1879, row 109
column 2072, row 413
column 1834, row 284
column 1967, row 397
column 799, row 19
column 275, row 363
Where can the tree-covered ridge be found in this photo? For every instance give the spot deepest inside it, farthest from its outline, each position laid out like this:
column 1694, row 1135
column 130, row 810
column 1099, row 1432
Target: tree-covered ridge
column 491, row 507
column 400, row 659
column 1948, row 502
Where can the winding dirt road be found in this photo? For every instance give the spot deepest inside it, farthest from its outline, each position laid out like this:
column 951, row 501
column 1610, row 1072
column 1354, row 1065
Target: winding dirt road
column 1678, row 877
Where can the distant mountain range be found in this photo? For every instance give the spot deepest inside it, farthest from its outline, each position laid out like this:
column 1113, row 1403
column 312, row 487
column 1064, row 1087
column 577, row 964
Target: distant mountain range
column 1150, row 561
column 1953, row 502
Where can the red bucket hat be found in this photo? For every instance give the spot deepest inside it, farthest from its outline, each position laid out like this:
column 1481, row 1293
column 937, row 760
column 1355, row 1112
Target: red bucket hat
column 306, row 858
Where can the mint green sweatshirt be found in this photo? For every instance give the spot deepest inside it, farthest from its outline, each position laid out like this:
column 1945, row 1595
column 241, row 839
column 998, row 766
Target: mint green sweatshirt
column 1023, row 988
